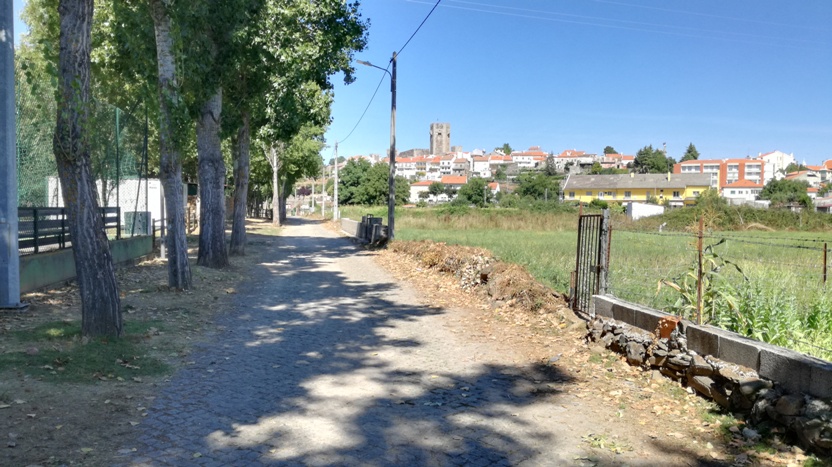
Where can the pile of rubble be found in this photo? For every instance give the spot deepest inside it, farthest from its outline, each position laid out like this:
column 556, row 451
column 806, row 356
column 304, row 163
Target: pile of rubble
column 735, row 388
column 506, row 285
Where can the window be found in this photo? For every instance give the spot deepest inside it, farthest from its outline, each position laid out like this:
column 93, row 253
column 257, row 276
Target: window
column 676, row 194
column 695, row 193
column 589, row 193
column 733, row 192
column 600, row 195
column 628, row 194
column 610, row 195
column 571, row 194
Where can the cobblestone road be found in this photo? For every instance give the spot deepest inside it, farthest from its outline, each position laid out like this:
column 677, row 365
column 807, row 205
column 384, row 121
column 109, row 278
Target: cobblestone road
column 325, row 361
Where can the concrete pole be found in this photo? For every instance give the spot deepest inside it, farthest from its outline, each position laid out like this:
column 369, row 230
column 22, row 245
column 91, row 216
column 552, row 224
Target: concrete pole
column 391, row 180
column 9, row 254
column 335, row 214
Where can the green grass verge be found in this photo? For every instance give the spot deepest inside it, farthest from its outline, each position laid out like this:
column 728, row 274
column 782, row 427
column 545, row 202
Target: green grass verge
column 62, row 356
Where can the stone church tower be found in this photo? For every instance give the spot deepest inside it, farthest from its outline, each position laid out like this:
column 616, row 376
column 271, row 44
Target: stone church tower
column 440, row 138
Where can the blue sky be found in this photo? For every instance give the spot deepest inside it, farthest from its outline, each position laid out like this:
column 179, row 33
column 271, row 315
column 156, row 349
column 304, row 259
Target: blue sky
column 734, row 77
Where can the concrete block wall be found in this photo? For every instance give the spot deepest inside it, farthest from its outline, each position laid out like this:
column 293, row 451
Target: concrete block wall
column 794, row 371
column 350, row 227
column 45, row 269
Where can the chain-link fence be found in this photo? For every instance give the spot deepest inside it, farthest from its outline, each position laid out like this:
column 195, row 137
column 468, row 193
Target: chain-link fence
column 118, row 143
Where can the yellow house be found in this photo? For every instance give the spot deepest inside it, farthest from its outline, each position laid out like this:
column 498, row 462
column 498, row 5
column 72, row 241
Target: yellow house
column 676, row 189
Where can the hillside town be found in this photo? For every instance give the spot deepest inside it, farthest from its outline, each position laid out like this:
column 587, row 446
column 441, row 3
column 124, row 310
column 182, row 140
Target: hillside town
column 611, row 177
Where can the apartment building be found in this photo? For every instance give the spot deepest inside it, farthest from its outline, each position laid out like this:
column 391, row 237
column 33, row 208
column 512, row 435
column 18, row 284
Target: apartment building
column 724, row 172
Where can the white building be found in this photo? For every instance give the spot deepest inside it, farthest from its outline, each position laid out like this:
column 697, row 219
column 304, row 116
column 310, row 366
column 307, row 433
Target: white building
column 775, row 164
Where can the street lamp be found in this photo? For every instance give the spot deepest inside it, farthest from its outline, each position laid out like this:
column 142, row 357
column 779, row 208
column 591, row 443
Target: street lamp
column 391, row 179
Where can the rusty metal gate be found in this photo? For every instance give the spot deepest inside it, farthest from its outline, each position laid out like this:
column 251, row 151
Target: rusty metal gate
column 589, row 277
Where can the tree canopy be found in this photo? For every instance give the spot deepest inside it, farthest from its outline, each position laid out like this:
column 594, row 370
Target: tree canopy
column 610, row 150
column 364, row 183
column 649, row 160
column 537, row 185
column 505, row 148
column 691, row 154
column 476, row 192
column 786, row 192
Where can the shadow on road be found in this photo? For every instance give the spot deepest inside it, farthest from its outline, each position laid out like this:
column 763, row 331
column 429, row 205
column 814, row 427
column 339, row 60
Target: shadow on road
column 313, row 367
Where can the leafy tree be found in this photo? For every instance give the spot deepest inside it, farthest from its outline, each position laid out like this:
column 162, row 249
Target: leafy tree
column 649, row 160
column 537, row 185
column 710, row 198
column 100, row 303
column 436, row 188
column 500, row 174
column 596, row 168
column 610, row 150
column 691, row 154
column 424, row 195
column 476, row 192
column 450, row 191
column 367, row 184
column 505, row 148
column 793, row 167
column 784, row 192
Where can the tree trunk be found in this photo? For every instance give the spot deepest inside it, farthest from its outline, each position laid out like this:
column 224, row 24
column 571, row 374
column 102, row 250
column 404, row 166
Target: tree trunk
column 283, row 203
column 275, row 186
column 242, row 161
column 100, row 303
column 176, row 242
column 212, row 248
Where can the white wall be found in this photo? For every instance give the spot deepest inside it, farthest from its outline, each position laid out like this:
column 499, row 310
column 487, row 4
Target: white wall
column 636, row 211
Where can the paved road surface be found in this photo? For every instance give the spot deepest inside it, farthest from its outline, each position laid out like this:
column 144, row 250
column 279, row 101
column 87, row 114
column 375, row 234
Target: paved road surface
column 324, row 360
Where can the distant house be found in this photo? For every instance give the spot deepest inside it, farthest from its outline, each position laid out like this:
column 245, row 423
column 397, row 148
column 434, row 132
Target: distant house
column 454, row 181
column 809, row 176
column 494, row 187
column 419, row 187
column 741, row 191
column 531, row 158
column 480, row 167
column 573, row 161
column 677, row 190
column 616, row 161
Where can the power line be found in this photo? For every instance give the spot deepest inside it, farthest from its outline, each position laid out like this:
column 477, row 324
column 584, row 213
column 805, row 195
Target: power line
column 584, row 20
column 420, row 27
column 365, row 110
column 386, row 69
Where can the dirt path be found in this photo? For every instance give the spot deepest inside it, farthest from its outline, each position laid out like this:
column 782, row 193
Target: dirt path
column 326, row 360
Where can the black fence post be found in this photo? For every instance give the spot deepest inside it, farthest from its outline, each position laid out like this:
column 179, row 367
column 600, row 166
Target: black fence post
column 35, row 227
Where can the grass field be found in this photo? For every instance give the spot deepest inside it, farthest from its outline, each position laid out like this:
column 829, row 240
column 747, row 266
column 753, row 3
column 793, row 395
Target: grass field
column 767, row 285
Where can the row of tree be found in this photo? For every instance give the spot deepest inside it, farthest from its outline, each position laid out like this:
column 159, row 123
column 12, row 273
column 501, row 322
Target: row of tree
column 244, row 73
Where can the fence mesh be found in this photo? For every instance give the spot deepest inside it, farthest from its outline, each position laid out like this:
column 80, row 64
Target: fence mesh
column 770, row 286
column 118, row 143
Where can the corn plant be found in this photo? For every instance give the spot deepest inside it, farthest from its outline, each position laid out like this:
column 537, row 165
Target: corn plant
column 717, row 293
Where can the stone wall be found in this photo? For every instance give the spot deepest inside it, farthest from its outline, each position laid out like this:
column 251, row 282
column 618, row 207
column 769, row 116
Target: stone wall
column 667, row 350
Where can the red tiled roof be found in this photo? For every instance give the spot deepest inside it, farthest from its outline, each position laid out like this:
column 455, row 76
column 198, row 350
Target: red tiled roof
column 454, row 179
column 744, row 184
column 493, row 185
column 571, row 153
